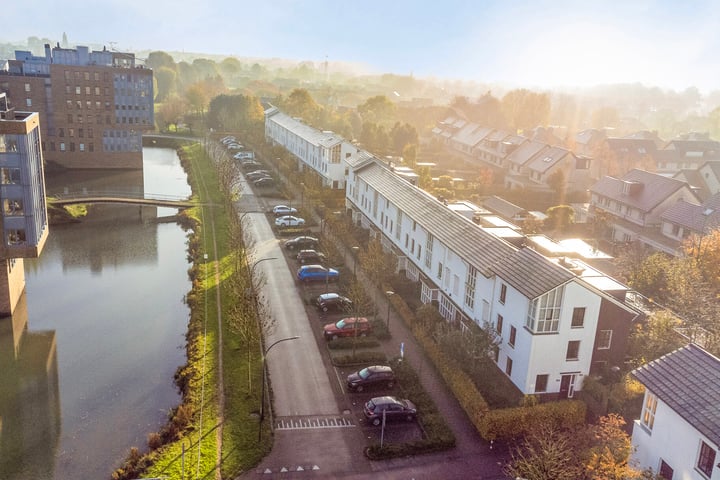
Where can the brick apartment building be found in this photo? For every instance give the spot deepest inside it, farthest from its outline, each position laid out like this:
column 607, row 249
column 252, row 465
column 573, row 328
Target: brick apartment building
column 94, row 105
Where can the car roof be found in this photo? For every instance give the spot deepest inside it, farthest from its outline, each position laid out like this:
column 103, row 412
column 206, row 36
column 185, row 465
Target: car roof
column 308, row 267
column 379, row 368
column 327, row 296
column 385, row 400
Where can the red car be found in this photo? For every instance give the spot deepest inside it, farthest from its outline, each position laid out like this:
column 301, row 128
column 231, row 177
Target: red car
column 347, row 327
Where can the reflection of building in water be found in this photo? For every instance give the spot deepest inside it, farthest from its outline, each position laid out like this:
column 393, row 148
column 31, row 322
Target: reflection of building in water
column 23, row 213
column 29, row 399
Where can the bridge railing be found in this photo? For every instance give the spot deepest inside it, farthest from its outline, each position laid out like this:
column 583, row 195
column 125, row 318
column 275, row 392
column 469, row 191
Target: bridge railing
column 118, row 194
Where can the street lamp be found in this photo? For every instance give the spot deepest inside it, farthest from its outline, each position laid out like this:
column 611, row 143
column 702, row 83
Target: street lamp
column 255, row 264
column 355, row 249
column 262, row 395
column 389, row 294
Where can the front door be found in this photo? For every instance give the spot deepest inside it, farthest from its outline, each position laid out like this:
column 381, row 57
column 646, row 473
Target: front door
column 567, row 386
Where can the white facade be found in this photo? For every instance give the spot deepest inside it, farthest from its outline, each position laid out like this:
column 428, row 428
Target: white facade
column 323, row 152
column 664, row 436
column 456, row 261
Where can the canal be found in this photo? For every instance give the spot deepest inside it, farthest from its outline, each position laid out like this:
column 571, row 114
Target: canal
column 87, row 361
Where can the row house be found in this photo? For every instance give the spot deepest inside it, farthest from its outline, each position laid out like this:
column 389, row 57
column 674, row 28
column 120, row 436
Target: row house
column 554, row 324
column 631, row 206
column 323, row 152
column 678, row 432
column 684, row 220
column 686, row 154
column 533, row 165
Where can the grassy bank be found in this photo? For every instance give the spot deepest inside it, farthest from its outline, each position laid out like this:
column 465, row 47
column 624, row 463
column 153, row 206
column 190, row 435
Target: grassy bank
column 190, row 442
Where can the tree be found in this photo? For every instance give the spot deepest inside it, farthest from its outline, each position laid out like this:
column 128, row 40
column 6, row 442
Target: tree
column 654, row 337
column 545, row 454
column 158, row 59
column 197, row 98
column 171, row 111
column 424, row 178
column 301, row 104
column 409, row 154
column 377, row 109
column 378, row 264
column 525, row 109
column 557, row 182
column 166, row 83
column 559, row 217
column 605, row 117
column 402, row 135
column 705, row 249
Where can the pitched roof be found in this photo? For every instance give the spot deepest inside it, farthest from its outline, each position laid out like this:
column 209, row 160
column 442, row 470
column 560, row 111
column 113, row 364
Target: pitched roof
column 588, row 136
column 547, row 158
column 688, row 381
column 477, row 247
column 522, row 154
column 652, row 189
column 709, row 149
column 306, row 132
column 531, row 273
column 502, row 207
column 698, row 218
column 471, row 134
column 632, row 146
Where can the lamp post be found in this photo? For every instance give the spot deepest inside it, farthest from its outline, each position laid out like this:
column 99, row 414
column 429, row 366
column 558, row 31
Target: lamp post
column 262, row 395
column 355, row 249
column 389, row 294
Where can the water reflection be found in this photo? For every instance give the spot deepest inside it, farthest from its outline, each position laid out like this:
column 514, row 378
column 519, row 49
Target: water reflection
column 87, row 361
column 29, row 398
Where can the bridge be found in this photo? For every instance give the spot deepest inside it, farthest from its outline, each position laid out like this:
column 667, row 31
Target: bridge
column 130, row 198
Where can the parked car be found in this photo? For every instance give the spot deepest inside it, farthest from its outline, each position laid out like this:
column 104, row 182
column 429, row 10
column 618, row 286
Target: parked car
column 376, row 375
column 309, row 273
column 289, row 221
column 347, row 327
column 306, row 257
column 264, row 182
column 228, row 140
column 283, row 210
column 333, row 301
column 235, row 146
column 301, row 243
column 257, row 175
column 244, row 155
column 393, row 407
column 251, row 165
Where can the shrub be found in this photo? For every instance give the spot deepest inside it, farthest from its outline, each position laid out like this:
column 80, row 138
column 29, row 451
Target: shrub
column 347, row 343
column 360, row 358
column 514, row 423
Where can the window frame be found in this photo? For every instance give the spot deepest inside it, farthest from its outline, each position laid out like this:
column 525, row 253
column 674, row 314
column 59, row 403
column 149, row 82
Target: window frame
column 707, row 455
column 649, row 409
column 503, row 293
column 578, row 315
column 537, row 382
column 572, row 345
column 602, row 344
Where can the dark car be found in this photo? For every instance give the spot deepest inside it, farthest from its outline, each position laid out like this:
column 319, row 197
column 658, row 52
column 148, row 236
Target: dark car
column 251, row 165
column 310, row 273
column 333, row 301
column 302, row 243
column 264, row 182
column 258, row 174
column 347, row 327
column 376, row 375
column 310, row 256
column 392, row 407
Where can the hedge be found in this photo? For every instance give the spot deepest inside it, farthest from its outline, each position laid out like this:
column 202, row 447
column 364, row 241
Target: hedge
column 512, row 423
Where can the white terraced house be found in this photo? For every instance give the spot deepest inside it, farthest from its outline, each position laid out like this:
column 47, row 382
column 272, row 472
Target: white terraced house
column 556, row 323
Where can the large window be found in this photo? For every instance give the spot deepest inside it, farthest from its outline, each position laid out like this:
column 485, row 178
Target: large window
column 499, row 324
column 508, row 366
column 706, row 459
column 513, row 334
column 648, row 412
column 428, row 250
column 544, row 312
column 470, row 280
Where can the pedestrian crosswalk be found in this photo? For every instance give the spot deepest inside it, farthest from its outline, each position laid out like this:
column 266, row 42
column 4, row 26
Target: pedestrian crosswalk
column 313, row 422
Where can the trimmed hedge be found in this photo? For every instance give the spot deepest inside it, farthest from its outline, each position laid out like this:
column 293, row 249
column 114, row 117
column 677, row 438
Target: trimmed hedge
column 513, row 423
column 347, row 343
column 359, row 358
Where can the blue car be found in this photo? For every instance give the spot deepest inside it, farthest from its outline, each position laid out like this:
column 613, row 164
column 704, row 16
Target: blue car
column 309, row 273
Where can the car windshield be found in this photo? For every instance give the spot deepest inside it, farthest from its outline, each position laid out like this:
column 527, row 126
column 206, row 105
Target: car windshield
column 341, row 324
column 364, row 373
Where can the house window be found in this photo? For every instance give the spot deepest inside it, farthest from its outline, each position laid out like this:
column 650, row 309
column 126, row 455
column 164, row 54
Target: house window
column 27, row 87
column 573, row 350
column 604, row 339
column 513, row 333
column 541, row 382
column 28, row 102
column 666, row 471
column 544, row 312
column 508, row 366
column 706, row 459
column 470, row 280
column 440, row 271
column 648, row 412
column 578, row 318
column 499, row 324
column 428, row 251
column 503, row 293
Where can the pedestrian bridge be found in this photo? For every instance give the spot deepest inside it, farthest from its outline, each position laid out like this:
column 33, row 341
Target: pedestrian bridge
column 131, row 198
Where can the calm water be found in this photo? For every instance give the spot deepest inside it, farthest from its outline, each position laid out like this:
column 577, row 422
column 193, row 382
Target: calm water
column 87, row 361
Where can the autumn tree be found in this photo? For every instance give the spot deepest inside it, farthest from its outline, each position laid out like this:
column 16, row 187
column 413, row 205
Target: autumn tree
column 171, row 111
column 378, row 109
column 375, row 138
column 301, row 104
column 525, row 109
column 557, row 181
column 378, row 264
column 409, row 155
column 402, row 135
column 235, row 112
column 544, row 454
column 705, row 249
column 166, row 80
column 654, row 337
column 559, row 217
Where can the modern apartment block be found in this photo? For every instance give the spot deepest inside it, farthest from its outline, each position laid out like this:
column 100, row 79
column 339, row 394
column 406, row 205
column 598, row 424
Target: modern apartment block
column 94, row 105
column 23, row 213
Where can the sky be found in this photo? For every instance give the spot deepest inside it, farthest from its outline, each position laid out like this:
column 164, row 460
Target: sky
column 542, row 43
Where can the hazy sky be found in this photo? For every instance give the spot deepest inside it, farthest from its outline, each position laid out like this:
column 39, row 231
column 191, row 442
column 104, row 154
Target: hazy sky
column 669, row 43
